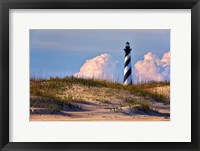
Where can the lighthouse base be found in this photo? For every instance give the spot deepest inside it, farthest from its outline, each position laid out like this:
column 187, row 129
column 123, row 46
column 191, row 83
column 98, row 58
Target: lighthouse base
column 128, row 81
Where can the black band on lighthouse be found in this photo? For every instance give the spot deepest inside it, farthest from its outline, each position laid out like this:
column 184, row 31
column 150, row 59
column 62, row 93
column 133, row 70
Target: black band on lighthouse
column 127, row 53
column 127, row 62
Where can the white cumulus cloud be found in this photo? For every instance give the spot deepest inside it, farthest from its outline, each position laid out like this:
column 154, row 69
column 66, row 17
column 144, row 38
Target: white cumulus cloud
column 152, row 68
column 100, row 67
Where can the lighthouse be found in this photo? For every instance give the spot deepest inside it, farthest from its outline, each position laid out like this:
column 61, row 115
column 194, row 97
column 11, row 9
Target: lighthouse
column 127, row 65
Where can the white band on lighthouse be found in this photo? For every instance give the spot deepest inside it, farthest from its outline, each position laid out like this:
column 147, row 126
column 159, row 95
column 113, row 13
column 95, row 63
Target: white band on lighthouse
column 127, row 68
column 127, row 57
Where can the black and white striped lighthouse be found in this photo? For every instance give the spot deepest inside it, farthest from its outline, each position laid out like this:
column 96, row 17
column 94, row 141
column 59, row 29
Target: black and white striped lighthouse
column 127, row 65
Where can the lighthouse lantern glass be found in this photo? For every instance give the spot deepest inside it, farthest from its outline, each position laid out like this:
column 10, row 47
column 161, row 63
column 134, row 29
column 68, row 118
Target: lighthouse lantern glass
column 127, row 44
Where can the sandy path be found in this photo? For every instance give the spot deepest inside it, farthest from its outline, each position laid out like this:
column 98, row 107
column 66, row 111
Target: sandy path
column 95, row 111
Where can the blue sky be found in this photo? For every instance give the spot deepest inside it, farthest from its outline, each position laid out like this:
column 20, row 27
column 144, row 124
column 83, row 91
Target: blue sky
column 62, row 52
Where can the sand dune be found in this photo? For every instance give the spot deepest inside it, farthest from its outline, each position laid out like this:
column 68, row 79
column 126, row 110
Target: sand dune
column 69, row 101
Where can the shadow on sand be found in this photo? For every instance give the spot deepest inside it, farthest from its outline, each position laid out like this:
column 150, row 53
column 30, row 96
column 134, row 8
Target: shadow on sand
column 149, row 113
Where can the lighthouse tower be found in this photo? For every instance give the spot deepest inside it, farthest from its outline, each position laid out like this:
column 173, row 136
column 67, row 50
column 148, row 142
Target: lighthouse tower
column 127, row 65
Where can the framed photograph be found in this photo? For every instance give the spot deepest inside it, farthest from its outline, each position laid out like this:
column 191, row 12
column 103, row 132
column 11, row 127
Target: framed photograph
column 99, row 75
